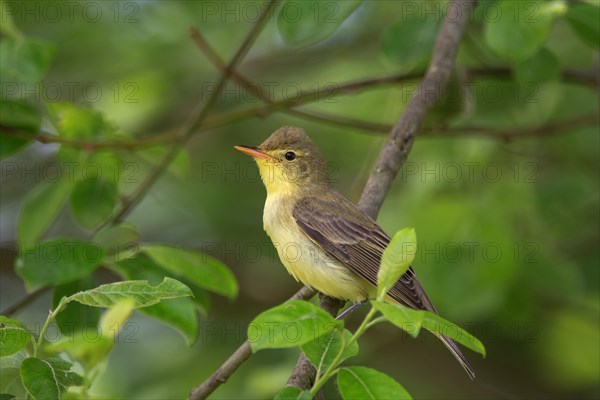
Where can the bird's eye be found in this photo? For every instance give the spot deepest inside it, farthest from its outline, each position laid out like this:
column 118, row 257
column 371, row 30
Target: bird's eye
column 290, row 155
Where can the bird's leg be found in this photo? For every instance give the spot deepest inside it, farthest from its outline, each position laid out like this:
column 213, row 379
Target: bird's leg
column 350, row 309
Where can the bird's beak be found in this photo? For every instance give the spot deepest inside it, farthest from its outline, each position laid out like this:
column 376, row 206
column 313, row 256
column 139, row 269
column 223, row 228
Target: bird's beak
column 255, row 152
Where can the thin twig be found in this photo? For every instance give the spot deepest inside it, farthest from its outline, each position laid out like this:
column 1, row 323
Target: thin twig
column 196, row 120
column 586, row 78
column 257, row 91
column 549, row 129
column 507, row 135
column 25, row 301
column 242, row 353
column 590, row 78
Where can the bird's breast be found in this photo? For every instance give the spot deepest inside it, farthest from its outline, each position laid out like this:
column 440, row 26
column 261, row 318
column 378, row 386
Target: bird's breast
column 306, row 261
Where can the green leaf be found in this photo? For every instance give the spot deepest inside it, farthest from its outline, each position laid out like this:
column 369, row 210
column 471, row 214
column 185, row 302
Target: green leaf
column 322, row 351
column 199, row 268
column 56, row 261
column 47, row 379
column 396, row 260
column 521, row 28
column 10, row 373
column 115, row 317
column 10, row 145
column 584, row 18
column 103, row 165
column 7, row 24
column 412, row 321
column 178, row 313
column 76, row 122
column 39, row 209
column 13, row 336
column 292, row 393
column 23, row 62
column 140, row 292
column 93, row 201
column 409, row 42
column 290, row 324
column 88, row 349
column 75, row 317
column 6, row 396
column 20, row 115
column 91, row 347
column 141, row 267
column 302, row 23
column 542, row 67
column 366, row 383
column 120, row 238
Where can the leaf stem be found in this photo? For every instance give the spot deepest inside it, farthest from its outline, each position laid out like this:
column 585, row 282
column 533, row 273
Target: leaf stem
column 363, row 326
column 376, row 321
column 333, row 369
column 61, row 305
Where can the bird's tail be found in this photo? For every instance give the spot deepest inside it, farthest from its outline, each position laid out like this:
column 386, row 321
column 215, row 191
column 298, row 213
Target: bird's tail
column 408, row 291
column 460, row 357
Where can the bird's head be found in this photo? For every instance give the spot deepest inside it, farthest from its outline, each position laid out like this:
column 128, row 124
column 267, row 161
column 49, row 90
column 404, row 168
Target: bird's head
column 289, row 161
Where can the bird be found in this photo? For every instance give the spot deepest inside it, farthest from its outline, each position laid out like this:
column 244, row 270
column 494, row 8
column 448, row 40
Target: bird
column 323, row 239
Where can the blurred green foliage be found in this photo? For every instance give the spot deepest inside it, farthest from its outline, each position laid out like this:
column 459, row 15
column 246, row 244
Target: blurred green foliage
column 508, row 229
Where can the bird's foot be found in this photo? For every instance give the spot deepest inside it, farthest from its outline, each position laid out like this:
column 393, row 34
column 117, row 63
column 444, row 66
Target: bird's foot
column 348, row 310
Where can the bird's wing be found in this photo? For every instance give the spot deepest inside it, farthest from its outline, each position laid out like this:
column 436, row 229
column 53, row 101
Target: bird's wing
column 346, row 233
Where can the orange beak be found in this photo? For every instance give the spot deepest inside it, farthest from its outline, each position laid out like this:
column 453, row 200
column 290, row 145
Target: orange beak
column 254, row 152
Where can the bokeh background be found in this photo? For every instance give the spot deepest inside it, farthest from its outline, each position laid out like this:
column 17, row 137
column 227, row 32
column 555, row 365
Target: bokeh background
column 508, row 228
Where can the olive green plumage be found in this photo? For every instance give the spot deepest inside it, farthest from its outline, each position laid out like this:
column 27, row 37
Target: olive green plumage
column 323, row 239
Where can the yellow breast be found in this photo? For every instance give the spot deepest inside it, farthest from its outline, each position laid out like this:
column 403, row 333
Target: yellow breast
column 306, row 261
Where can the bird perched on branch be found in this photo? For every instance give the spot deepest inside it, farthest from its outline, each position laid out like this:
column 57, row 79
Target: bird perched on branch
column 323, row 239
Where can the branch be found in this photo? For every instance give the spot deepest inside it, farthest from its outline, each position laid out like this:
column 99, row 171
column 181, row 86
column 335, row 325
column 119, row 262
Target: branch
column 304, row 372
column 243, row 352
column 226, row 118
column 507, row 135
column 196, row 120
column 25, row 301
column 257, row 91
column 400, row 139
column 590, row 79
column 549, row 129
column 586, row 78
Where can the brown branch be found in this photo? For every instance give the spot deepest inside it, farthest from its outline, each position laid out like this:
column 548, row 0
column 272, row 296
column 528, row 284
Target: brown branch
column 288, row 106
column 590, row 79
column 507, row 135
column 400, row 139
column 549, row 129
column 304, row 372
column 243, row 352
column 25, row 301
column 196, row 120
column 128, row 144
column 257, row 91
column 226, row 118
